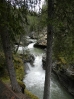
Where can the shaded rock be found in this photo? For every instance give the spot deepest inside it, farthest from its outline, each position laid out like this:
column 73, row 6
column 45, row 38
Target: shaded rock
column 65, row 76
column 44, row 62
column 39, row 46
column 29, row 58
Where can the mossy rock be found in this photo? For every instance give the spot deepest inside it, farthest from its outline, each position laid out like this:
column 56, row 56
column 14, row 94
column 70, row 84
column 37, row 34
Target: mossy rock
column 19, row 67
column 5, row 79
column 21, row 84
column 30, row 95
column 62, row 60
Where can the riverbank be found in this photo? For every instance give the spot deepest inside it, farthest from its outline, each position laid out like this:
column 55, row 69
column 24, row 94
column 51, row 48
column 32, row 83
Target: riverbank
column 35, row 78
column 19, row 69
column 64, row 72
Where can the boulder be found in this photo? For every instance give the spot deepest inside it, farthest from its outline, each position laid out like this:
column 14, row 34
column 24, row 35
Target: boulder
column 42, row 41
column 29, row 58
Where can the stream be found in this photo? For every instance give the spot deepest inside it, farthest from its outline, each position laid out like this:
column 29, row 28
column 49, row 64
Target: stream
column 34, row 79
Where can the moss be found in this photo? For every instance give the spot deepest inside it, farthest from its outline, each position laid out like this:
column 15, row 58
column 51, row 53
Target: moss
column 5, row 79
column 21, row 84
column 30, row 95
column 63, row 61
column 19, row 67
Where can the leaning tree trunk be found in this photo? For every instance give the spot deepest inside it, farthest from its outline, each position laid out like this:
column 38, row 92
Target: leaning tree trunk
column 49, row 51
column 9, row 61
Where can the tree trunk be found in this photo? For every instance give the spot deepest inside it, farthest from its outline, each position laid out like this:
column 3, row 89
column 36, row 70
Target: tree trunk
column 18, row 44
column 9, row 61
column 6, row 46
column 49, row 51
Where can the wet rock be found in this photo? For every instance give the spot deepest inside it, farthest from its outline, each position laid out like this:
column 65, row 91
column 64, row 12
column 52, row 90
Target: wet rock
column 65, row 76
column 29, row 58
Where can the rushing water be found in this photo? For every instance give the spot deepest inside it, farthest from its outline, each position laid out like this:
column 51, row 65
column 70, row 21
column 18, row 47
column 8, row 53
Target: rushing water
column 35, row 77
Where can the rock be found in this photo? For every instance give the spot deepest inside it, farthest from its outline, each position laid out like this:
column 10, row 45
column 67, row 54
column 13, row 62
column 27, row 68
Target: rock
column 44, row 62
column 29, row 58
column 39, row 46
column 41, row 38
column 41, row 42
column 65, row 76
column 33, row 35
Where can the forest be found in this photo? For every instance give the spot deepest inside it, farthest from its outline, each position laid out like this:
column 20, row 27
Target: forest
column 48, row 25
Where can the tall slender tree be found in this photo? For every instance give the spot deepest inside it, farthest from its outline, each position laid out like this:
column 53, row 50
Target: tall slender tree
column 49, row 50
column 4, row 33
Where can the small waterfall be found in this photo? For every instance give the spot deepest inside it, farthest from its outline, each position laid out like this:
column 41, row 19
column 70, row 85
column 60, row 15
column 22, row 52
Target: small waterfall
column 34, row 79
column 31, row 45
column 36, row 75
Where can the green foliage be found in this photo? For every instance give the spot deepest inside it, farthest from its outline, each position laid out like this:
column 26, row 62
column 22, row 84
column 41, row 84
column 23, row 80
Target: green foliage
column 13, row 19
column 64, row 36
column 29, row 94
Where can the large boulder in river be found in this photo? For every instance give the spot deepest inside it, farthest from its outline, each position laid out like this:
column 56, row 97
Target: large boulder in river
column 41, row 43
column 42, row 39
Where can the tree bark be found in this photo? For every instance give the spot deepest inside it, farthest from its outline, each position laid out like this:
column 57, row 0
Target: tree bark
column 9, row 61
column 6, row 46
column 18, row 44
column 49, row 51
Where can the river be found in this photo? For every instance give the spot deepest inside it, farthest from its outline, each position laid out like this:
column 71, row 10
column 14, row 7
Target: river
column 35, row 77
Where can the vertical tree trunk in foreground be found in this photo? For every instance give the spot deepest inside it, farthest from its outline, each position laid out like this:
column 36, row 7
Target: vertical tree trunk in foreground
column 49, row 51
column 6, row 45
column 9, row 61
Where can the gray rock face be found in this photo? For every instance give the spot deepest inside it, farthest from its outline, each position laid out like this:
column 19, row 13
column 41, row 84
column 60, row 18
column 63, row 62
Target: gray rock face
column 41, row 38
column 42, row 41
column 65, row 76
